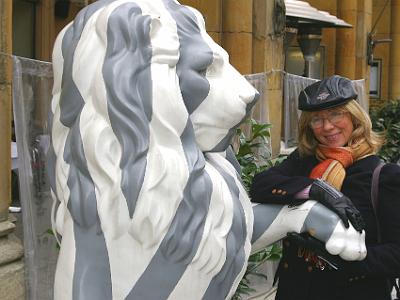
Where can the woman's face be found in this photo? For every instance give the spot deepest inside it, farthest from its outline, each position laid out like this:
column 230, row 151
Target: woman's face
column 332, row 127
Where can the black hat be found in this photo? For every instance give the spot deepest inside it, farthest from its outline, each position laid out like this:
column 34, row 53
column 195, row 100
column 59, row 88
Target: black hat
column 327, row 93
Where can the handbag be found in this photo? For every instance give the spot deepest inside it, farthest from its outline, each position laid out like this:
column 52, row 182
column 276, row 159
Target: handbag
column 374, row 199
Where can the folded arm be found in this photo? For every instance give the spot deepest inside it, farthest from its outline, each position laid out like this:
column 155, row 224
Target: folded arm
column 280, row 184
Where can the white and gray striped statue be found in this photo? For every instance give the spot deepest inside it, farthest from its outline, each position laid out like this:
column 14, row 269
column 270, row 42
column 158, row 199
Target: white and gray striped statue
column 148, row 199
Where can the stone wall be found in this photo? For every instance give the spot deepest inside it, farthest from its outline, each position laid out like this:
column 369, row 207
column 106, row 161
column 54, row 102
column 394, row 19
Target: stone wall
column 11, row 251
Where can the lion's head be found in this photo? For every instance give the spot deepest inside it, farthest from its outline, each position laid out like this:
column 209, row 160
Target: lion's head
column 141, row 94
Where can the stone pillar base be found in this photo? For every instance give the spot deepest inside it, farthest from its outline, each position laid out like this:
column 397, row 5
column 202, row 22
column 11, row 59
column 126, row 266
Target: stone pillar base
column 12, row 278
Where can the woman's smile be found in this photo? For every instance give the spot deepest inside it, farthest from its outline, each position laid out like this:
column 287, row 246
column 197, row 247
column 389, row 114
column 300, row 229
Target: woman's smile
column 333, row 137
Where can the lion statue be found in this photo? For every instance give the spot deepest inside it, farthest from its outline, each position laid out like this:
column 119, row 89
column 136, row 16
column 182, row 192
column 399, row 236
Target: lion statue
column 148, row 197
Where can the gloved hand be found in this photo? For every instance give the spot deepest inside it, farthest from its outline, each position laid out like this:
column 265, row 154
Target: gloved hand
column 338, row 203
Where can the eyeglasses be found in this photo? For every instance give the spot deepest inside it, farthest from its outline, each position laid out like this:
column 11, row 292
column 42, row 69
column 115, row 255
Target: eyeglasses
column 333, row 117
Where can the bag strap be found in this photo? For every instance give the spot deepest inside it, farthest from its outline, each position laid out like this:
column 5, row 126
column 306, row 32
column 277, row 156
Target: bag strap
column 397, row 287
column 374, row 201
column 374, row 196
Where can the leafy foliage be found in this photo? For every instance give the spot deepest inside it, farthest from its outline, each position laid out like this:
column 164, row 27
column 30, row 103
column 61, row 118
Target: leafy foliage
column 253, row 152
column 254, row 156
column 273, row 253
column 387, row 120
column 51, row 232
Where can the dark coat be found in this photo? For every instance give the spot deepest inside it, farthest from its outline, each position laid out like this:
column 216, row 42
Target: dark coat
column 367, row 279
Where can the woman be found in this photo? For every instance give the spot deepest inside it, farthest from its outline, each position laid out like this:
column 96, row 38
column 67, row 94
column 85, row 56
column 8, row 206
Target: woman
column 336, row 152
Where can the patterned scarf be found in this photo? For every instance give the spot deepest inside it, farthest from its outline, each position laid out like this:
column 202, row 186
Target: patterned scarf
column 334, row 161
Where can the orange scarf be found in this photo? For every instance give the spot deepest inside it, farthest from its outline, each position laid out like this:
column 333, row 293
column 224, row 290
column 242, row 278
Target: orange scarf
column 334, row 161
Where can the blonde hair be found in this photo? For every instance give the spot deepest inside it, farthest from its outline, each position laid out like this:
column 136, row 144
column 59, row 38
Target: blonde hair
column 362, row 129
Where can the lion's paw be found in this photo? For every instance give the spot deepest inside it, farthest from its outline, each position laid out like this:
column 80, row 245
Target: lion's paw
column 348, row 243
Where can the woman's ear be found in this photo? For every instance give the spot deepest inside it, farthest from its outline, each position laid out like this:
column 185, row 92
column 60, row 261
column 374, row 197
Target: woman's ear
column 355, row 121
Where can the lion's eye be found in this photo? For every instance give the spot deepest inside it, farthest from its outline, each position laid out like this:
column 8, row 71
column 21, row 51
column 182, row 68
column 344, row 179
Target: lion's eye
column 219, row 59
column 200, row 62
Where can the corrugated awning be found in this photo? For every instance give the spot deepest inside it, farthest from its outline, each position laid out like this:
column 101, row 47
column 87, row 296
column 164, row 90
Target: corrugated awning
column 303, row 13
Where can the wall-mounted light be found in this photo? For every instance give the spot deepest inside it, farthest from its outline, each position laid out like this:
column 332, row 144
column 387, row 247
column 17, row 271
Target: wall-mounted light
column 371, row 46
column 371, row 42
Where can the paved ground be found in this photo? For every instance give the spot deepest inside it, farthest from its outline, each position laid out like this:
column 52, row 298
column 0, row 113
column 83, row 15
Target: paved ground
column 266, row 295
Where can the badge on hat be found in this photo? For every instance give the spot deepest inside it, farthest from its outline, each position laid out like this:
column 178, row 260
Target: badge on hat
column 323, row 96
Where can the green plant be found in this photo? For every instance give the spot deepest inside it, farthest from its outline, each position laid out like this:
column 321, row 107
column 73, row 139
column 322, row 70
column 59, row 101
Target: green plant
column 387, row 119
column 254, row 156
column 51, row 232
column 272, row 253
column 253, row 150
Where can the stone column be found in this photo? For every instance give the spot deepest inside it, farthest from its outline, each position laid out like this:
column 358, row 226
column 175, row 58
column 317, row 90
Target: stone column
column 346, row 39
column 394, row 69
column 351, row 44
column 11, row 267
column 237, row 33
column 212, row 13
column 382, row 50
column 364, row 26
column 5, row 107
column 45, row 28
column 44, row 42
column 268, row 57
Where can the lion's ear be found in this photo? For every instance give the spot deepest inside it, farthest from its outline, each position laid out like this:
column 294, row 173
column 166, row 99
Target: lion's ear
column 164, row 41
column 155, row 26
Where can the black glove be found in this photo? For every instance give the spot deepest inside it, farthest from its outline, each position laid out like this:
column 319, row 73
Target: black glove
column 307, row 241
column 338, row 203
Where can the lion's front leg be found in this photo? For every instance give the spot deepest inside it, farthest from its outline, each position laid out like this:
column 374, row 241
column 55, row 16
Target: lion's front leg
column 272, row 222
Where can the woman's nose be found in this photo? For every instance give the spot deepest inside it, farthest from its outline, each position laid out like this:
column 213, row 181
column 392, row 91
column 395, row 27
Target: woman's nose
column 327, row 124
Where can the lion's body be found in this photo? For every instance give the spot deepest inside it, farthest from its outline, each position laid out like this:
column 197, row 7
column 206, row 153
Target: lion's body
column 137, row 198
column 141, row 93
